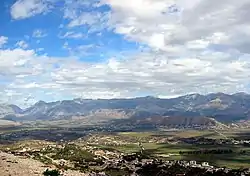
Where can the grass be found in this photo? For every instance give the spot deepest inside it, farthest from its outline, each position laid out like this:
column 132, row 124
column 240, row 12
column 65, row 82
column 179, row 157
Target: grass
column 153, row 147
column 136, row 134
column 191, row 133
column 129, row 148
column 179, row 134
column 234, row 160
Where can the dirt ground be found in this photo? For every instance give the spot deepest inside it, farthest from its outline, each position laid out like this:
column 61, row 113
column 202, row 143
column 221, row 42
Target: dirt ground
column 11, row 165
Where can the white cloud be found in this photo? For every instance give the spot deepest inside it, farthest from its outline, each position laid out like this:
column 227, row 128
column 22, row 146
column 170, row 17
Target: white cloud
column 76, row 13
column 11, row 59
column 72, row 35
column 155, row 76
column 22, row 9
column 39, row 33
column 90, row 19
column 198, row 46
column 144, row 73
column 22, row 44
column 150, row 22
column 3, row 40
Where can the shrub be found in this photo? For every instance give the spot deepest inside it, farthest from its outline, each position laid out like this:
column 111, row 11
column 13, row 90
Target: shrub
column 51, row 172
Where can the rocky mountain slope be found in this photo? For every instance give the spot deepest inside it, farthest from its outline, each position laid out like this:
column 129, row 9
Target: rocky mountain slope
column 220, row 106
column 178, row 122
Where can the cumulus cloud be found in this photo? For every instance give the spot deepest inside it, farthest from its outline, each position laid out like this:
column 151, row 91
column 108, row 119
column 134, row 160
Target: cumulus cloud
column 3, row 40
column 143, row 74
column 93, row 20
column 197, row 46
column 22, row 9
column 22, row 44
column 22, row 70
column 78, row 15
column 129, row 77
column 72, row 35
column 38, row 33
column 163, row 23
column 15, row 62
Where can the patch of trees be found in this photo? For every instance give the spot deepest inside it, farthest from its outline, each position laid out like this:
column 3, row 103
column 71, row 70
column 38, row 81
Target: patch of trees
column 74, row 153
column 206, row 151
column 138, row 155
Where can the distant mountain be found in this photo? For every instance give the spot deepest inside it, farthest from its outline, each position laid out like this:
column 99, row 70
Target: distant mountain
column 9, row 109
column 169, row 122
column 220, row 106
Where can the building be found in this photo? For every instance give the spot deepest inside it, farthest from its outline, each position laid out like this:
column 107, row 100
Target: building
column 192, row 163
column 205, row 164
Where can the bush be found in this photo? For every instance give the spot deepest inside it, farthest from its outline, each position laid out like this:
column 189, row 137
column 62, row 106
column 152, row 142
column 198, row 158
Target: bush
column 51, row 172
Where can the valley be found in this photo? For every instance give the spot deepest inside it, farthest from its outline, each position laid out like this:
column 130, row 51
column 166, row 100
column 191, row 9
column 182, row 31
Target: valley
column 218, row 149
column 120, row 137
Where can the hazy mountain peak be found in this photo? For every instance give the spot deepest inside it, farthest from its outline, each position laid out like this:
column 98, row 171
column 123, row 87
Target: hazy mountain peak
column 241, row 94
column 191, row 96
column 40, row 103
column 218, row 94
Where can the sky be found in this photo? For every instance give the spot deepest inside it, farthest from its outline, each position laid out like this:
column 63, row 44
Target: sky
column 64, row 49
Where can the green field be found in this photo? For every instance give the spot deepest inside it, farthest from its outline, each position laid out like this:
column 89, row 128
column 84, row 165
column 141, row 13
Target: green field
column 171, row 151
column 212, row 134
column 180, row 134
column 163, row 151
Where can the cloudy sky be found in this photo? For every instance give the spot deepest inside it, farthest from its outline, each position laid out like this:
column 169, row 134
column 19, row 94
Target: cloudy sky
column 62, row 49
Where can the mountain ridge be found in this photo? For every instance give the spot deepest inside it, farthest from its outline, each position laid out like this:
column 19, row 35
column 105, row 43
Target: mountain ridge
column 220, row 106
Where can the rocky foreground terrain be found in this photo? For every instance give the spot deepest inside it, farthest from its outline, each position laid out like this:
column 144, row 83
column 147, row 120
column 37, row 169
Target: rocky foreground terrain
column 11, row 165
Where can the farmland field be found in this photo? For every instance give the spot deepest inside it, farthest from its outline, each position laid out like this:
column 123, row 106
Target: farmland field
column 166, row 145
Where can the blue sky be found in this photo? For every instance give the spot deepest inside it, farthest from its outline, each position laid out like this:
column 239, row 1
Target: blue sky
column 52, row 34
column 53, row 50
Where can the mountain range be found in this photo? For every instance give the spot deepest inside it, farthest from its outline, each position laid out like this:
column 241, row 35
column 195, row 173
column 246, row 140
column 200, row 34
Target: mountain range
column 219, row 106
